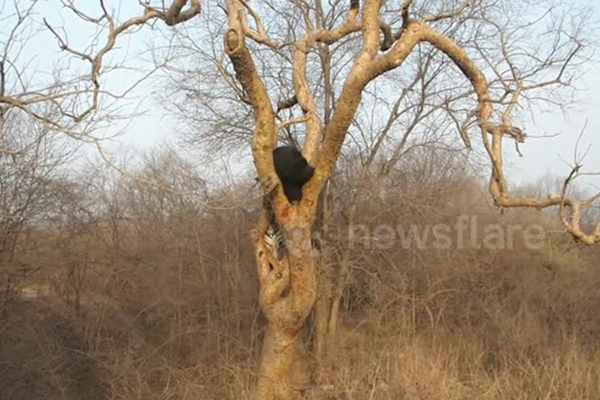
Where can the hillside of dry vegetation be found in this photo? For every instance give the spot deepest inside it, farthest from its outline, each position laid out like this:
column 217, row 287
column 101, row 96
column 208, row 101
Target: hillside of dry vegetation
column 146, row 294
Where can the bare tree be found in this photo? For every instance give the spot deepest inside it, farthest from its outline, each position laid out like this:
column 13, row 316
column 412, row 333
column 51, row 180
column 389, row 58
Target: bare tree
column 178, row 193
column 424, row 103
column 476, row 38
column 288, row 288
column 37, row 104
column 66, row 100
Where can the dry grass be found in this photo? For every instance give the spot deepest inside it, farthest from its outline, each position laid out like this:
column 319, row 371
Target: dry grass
column 167, row 310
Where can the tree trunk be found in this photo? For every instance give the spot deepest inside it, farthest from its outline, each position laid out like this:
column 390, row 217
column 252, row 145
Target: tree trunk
column 331, row 282
column 276, row 364
column 288, row 290
column 322, row 310
column 331, row 285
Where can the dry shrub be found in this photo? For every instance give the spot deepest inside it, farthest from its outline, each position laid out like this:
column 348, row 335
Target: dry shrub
column 154, row 302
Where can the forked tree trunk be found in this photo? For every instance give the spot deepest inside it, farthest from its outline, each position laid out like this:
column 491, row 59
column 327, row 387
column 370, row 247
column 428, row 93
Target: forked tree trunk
column 287, row 295
column 288, row 288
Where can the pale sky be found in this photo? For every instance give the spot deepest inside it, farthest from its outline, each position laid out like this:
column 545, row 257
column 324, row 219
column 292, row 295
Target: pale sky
column 541, row 156
column 548, row 155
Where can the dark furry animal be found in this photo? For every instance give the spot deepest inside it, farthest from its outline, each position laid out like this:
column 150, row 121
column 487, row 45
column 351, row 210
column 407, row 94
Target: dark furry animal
column 293, row 171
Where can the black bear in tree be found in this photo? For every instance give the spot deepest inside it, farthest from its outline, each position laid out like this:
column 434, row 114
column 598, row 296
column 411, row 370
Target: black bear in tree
column 293, row 171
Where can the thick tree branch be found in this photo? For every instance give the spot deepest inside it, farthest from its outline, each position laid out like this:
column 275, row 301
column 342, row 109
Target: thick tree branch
column 296, row 226
column 265, row 137
column 302, row 91
column 498, row 183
